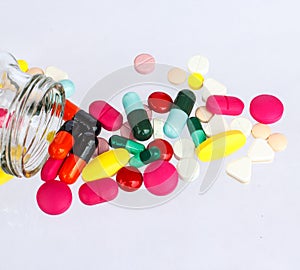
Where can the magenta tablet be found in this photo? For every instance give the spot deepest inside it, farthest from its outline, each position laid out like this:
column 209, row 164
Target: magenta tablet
column 225, row 105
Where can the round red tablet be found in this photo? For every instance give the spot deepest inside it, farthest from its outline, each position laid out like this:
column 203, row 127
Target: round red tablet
column 165, row 148
column 160, row 102
column 129, row 178
column 266, row 109
column 54, row 197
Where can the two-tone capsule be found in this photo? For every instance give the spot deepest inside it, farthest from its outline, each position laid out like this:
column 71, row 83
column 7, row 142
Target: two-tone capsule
column 131, row 146
column 195, row 128
column 145, row 157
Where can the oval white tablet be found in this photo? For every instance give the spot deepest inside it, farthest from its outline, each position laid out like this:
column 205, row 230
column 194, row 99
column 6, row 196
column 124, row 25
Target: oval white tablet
column 242, row 124
column 184, row 148
column 188, row 169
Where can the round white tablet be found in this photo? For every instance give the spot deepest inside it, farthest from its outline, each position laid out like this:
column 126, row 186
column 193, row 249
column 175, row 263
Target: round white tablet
column 188, row 169
column 242, row 124
column 184, row 148
column 198, row 64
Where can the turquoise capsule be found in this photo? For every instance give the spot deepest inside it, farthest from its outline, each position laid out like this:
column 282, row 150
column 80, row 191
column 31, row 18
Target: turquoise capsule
column 137, row 116
column 131, row 146
column 68, row 86
column 195, row 128
column 179, row 113
column 145, row 157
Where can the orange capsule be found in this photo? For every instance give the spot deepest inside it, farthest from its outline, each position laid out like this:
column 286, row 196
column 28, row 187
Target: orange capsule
column 61, row 145
column 70, row 110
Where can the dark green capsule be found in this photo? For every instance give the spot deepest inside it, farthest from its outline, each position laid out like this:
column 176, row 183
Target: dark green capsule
column 131, row 146
column 195, row 128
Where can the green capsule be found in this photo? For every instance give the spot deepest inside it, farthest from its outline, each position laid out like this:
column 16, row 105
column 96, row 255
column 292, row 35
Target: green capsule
column 195, row 128
column 131, row 146
column 145, row 157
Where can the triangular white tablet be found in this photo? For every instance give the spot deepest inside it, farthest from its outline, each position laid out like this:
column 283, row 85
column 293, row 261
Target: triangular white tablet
column 240, row 169
column 261, row 151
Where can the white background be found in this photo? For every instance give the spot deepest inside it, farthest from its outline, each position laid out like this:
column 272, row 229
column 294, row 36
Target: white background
column 253, row 47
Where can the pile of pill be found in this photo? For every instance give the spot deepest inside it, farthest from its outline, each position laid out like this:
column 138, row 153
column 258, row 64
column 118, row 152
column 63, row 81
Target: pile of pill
column 147, row 150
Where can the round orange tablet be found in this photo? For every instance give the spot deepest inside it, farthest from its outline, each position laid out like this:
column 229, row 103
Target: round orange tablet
column 176, row 76
column 278, row 142
column 203, row 114
column 261, row 131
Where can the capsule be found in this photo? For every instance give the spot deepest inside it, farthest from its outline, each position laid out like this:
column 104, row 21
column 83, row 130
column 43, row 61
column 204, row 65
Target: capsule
column 131, row 146
column 179, row 113
column 195, row 128
column 106, row 164
column 145, row 157
column 65, row 139
column 137, row 116
column 78, row 158
column 51, row 168
column 70, row 110
column 88, row 121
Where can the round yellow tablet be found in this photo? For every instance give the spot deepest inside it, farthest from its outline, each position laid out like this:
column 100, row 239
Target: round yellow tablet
column 195, row 81
column 277, row 141
column 23, row 65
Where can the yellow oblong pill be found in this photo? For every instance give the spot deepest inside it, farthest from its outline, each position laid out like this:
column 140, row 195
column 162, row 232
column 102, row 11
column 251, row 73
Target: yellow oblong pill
column 221, row 145
column 4, row 177
column 106, row 164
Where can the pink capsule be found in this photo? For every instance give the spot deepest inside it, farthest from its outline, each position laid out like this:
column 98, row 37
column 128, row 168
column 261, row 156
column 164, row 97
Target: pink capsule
column 126, row 131
column 225, row 105
column 102, row 147
column 98, row 191
column 108, row 116
column 3, row 113
column 51, row 168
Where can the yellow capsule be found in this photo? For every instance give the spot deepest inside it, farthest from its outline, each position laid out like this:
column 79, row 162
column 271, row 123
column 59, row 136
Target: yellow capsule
column 195, row 81
column 106, row 164
column 4, row 177
column 221, row 145
column 23, row 65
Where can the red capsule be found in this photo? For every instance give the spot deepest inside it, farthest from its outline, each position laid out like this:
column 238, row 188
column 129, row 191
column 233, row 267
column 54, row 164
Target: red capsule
column 70, row 110
column 165, row 148
column 51, row 168
column 61, row 145
column 160, row 102
column 129, row 178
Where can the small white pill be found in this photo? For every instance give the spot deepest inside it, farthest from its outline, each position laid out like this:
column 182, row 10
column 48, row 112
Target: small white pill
column 261, row 151
column 158, row 128
column 198, row 64
column 212, row 87
column 216, row 125
column 55, row 73
column 242, row 124
column 188, row 169
column 184, row 148
column 240, row 169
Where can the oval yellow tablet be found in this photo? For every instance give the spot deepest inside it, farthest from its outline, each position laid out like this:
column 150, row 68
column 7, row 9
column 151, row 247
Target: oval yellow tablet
column 221, row 145
column 106, row 165
column 4, row 177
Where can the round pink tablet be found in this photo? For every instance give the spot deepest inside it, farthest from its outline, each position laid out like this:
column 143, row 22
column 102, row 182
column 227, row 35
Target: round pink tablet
column 3, row 113
column 108, row 116
column 160, row 178
column 266, row 109
column 144, row 63
column 98, row 191
column 54, row 197
column 51, row 168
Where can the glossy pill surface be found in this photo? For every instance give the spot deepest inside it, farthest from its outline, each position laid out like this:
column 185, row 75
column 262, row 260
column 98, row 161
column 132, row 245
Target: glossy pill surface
column 129, row 178
column 54, row 197
column 108, row 116
column 126, row 131
column 160, row 102
column 102, row 147
column 88, row 121
column 145, row 157
column 144, row 63
column 68, row 86
column 131, row 146
column 165, row 148
column 195, row 81
column 106, row 164
column 70, row 110
column 98, row 191
column 225, row 105
column 266, row 109
column 195, row 128
column 51, row 168
column 160, row 178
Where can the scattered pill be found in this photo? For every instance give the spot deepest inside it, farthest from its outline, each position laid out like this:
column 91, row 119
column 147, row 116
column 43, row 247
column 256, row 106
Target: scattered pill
column 225, row 105
column 131, row 146
column 242, row 124
column 23, row 65
column 160, row 102
column 212, row 87
column 105, row 165
column 88, row 121
column 184, row 148
column 103, row 146
column 203, row 114
column 145, row 157
column 51, row 168
column 4, row 177
column 160, row 178
column 108, row 116
column 188, row 169
column 3, row 113
column 216, row 125
column 148, row 111
column 261, row 131
column 68, row 86
column 55, row 73
column 240, row 169
column 129, row 179
column 176, row 76
column 137, row 116
column 198, row 64
column 165, row 148
column 126, row 131
column 277, row 141
column 196, row 131
column 261, row 151
column 35, row 71
column 70, row 110
column 54, row 197
column 98, row 191
column 144, row 63
column 158, row 128
column 181, row 109
column 195, row 81
column 221, row 145
column 266, row 109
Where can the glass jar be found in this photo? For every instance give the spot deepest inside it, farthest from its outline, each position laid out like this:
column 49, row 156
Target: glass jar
column 31, row 111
